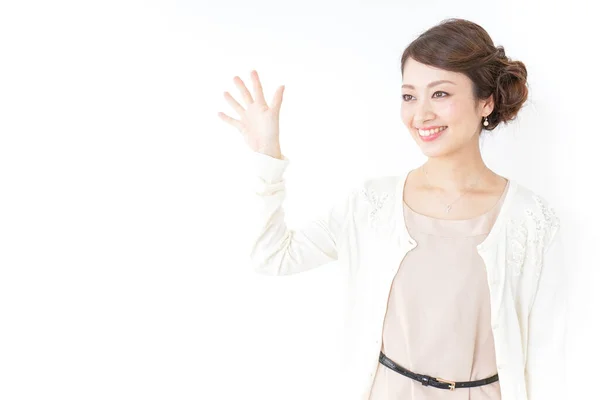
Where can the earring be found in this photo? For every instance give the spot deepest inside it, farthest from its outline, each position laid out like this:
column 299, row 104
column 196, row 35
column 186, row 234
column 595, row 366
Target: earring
column 486, row 122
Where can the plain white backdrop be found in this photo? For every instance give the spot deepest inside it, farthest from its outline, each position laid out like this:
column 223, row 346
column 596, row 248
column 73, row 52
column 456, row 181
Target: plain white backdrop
column 124, row 268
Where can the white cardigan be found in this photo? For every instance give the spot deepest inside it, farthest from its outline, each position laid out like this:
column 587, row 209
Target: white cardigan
column 365, row 231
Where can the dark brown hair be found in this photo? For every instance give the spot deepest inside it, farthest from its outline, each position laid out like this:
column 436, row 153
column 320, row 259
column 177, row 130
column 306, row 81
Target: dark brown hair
column 463, row 46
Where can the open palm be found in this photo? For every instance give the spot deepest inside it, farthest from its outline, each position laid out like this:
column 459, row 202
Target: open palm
column 258, row 122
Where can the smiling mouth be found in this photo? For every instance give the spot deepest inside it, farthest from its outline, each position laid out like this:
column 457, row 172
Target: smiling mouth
column 431, row 132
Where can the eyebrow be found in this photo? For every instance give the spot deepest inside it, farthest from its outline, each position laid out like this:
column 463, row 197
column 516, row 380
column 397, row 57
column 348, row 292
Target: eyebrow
column 434, row 83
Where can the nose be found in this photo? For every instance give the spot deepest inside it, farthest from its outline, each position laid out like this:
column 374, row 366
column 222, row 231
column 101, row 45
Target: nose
column 423, row 113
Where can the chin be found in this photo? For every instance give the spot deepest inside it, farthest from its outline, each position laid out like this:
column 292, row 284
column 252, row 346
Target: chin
column 433, row 153
column 433, row 149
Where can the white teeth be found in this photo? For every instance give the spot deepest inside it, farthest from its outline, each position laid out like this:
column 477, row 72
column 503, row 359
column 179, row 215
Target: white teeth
column 431, row 131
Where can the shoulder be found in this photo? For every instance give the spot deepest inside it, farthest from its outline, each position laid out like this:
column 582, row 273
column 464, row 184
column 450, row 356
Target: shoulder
column 381, row 183
column 535, row 206
column 380, row 190
column 530, row 212
column 376, row 197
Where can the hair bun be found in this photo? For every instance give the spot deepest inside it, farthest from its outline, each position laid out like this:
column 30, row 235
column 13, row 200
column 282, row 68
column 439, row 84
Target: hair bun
column 511, row 92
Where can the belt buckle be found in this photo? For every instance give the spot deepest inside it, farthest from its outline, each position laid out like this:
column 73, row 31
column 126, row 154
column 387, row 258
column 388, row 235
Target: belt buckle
column 451, row 383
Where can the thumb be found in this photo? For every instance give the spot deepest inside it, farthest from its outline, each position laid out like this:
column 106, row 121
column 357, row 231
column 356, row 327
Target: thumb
column 277, row 98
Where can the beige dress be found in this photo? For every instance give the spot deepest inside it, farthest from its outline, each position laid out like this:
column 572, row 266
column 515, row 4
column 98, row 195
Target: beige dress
column 438, row 315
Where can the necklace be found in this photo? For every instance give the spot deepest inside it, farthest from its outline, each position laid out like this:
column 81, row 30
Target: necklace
column 448, row 206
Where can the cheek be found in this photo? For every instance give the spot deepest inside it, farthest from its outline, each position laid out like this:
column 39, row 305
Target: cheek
column 450, row 111
column 406, row 115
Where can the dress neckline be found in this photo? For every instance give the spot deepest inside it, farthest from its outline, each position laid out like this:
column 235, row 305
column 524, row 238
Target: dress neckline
column 478, row 225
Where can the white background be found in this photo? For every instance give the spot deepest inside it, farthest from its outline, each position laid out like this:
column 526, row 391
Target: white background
column 124, row 268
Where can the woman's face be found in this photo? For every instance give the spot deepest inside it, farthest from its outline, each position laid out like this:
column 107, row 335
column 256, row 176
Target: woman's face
column 440, row 110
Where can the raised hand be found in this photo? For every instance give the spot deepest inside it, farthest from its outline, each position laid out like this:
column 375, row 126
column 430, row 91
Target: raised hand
column 258, row 122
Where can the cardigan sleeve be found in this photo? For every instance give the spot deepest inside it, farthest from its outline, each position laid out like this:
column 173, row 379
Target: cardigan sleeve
column 278, row 249
column 545, row 371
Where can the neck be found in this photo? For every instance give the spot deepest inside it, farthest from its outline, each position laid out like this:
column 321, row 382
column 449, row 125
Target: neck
column 456, row 172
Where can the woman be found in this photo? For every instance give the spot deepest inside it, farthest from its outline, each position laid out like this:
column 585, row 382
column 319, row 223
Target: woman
column 456, row 286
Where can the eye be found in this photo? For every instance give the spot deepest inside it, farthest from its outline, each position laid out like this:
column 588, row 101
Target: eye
column 406, row 97
column 444, row 94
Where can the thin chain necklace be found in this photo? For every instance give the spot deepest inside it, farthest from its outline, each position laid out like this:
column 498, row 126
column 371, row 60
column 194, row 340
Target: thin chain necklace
column 448, row 206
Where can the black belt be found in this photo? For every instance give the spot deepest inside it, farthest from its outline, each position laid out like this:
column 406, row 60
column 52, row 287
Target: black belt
column 427, row 380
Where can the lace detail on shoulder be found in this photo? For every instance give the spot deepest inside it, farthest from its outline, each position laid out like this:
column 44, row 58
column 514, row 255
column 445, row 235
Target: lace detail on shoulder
column 376, row 201
column 545, row 223
column 529, row 236
column 517, row 245
column 551, row 220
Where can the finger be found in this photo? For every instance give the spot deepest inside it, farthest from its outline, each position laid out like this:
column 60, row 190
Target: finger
column 277, row 98
column 258, row 90
column 243, row 90
column 234, row 104
column 231, row 121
